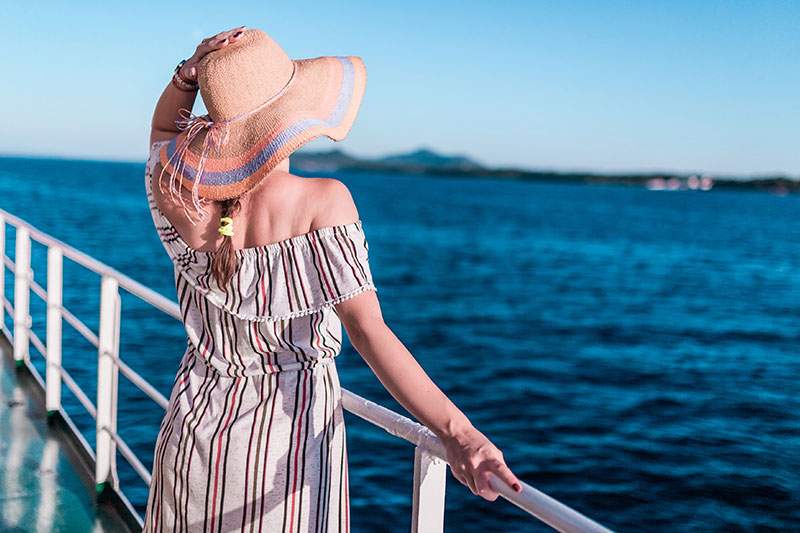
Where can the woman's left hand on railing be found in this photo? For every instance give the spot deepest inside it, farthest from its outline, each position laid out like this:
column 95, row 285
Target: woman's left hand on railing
column 472, row 457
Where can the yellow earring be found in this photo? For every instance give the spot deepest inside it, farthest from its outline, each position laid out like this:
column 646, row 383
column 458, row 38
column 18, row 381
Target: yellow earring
column 226, row 226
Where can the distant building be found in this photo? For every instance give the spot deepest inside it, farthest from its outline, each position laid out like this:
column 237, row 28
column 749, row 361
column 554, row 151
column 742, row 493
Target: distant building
column 692, row 183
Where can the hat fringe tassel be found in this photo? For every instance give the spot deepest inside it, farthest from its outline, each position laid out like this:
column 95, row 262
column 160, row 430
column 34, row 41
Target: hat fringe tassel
column 216, row 137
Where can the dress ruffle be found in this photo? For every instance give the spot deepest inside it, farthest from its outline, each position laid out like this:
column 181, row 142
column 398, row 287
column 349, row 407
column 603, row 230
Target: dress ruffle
column 294, row 277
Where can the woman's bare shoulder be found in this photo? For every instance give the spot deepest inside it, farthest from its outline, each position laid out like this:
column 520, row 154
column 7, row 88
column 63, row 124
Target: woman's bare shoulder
column 331, row 202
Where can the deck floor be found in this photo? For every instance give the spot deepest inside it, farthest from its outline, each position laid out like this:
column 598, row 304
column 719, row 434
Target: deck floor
column 42, row 486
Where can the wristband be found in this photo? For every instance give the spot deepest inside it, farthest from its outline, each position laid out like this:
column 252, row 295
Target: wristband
column 180, row 82
column 181, row 85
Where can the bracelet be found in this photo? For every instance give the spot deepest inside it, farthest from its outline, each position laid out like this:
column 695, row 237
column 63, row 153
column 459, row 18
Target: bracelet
column 182, row 85
column 179, row 82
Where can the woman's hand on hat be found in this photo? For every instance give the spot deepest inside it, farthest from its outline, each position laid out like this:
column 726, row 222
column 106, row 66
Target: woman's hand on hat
column 209, row 44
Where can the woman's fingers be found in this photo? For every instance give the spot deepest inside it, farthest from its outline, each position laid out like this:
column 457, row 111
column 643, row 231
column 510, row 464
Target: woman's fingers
column 209, row 44
column 232, row 34
column 476, row 478
column 505, row 474
column 465, row 478
column 474, row 460
column 471, row 483
column 221, row 35
column 219, row 40
column 484, row 489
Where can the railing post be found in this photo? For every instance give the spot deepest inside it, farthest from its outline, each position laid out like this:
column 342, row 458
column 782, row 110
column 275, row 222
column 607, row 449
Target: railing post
column 22, row 294
column 55, row 262
column 107, row 373
column 429, row 487
column 3, row 271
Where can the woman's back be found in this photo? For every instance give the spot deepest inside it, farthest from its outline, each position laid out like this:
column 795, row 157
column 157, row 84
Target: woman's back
column 275, row 278
column 281, row 206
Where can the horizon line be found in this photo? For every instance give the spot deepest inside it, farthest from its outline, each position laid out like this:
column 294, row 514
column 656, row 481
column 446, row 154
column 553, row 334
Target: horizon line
column 542, row 170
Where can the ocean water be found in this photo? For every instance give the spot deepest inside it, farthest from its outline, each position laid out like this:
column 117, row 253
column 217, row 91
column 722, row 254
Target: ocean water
column 633, row 353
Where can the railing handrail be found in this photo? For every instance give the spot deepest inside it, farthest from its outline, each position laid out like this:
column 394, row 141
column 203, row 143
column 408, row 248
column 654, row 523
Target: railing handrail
column 143, row 292
column 430, row 454
column 535, row 502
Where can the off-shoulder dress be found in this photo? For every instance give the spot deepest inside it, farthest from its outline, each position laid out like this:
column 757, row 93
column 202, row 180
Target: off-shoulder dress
column 253, row 438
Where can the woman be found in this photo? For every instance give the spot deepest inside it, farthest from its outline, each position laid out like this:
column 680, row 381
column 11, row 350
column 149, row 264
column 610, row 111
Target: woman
column 268, row 266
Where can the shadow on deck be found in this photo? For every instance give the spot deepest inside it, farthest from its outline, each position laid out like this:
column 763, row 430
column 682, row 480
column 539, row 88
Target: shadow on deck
column 46, row 477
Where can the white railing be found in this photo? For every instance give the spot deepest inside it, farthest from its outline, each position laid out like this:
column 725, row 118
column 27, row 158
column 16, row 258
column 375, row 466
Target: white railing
column 430, row 467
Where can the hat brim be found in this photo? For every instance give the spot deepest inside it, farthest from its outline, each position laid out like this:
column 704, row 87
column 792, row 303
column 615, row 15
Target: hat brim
column 322, row 99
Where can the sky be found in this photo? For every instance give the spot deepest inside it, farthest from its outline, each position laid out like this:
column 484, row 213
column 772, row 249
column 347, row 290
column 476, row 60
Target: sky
column 685, row 86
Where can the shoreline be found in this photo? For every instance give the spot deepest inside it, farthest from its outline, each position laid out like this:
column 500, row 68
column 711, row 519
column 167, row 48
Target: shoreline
column 336, row 161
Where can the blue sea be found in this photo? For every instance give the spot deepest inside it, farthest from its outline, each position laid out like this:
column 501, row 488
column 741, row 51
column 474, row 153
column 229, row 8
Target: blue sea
column 634, row 354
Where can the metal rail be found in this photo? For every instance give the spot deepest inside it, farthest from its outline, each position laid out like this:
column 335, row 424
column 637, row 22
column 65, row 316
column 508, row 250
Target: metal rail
column 430, row 466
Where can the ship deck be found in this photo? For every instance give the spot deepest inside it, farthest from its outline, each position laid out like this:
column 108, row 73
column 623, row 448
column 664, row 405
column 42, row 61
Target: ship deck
column 45, row 478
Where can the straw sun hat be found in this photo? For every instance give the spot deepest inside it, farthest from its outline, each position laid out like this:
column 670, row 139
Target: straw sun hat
column 262, row 106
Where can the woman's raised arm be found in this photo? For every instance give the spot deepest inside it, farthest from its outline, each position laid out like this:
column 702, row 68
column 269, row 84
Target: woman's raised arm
column 172, row 100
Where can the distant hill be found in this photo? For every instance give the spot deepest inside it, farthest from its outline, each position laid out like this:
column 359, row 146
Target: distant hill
column 418, row 161
column 330, row 160
column 426, row 161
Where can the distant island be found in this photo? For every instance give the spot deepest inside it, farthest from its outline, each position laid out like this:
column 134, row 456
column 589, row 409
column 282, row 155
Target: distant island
column 428, row 162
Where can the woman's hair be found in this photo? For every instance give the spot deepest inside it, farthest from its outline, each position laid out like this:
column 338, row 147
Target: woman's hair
column 223, row 261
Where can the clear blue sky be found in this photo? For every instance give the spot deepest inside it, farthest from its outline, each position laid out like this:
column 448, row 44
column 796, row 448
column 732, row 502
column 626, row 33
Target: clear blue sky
column 682, row 85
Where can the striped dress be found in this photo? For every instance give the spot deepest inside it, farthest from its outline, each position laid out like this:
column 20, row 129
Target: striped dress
column 253, row 438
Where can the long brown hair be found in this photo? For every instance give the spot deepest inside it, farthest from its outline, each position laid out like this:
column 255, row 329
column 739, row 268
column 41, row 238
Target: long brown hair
column 223, row 260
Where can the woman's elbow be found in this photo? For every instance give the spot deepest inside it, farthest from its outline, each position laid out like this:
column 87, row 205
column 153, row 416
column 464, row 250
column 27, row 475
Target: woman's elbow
column 361, row 329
